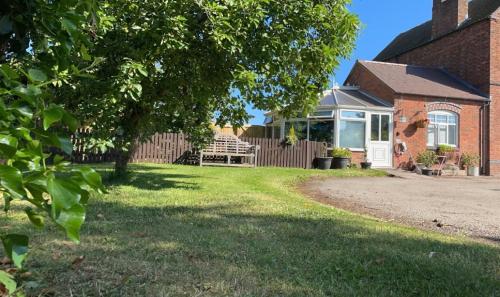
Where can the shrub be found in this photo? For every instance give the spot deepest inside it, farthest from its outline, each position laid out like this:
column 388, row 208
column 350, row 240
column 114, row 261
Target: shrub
column 428, row 158
column 340, row 152
column 291, row 138
column 469, row 159
column 444, row 148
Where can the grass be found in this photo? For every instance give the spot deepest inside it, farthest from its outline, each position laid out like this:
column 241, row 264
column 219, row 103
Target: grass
column 189, row 231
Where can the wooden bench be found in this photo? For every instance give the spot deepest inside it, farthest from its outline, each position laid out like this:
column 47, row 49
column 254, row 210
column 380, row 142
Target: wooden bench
column 229, row 146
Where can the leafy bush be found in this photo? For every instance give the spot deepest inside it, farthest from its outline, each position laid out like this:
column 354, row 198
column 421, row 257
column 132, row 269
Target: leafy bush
column 470, row 159
column 428, row 158
column 444, row 148
column 340, row 152
column 291, row 138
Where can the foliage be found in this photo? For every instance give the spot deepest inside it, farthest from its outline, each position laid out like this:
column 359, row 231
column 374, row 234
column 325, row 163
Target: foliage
column 177, row 230
column 340, row 152
column 291, row 138
column 179, row 65
column 32, row 129
column 428, row 158
column 470, row 159
column 444, row 148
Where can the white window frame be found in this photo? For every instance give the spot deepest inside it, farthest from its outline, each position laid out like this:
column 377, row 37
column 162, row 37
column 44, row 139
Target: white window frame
column 447, row 125
column 341, row 118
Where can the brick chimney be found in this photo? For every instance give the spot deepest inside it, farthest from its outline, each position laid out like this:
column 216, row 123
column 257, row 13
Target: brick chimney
column 447, row 15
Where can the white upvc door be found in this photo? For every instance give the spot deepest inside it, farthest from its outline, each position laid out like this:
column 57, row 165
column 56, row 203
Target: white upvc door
column 380, row 139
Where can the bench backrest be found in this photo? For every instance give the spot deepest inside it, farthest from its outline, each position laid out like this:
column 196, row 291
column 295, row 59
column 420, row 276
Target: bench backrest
column 227, row 143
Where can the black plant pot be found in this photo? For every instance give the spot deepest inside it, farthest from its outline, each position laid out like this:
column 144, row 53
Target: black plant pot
column 428, row 172
column 324, row 163
column 366, row 165
column 340, row 163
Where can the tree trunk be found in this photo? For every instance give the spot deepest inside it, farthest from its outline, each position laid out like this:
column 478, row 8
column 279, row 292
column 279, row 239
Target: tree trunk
column 121, row 163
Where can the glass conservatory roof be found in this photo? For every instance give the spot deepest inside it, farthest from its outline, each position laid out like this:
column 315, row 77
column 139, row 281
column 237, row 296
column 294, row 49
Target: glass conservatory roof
column 351, row 97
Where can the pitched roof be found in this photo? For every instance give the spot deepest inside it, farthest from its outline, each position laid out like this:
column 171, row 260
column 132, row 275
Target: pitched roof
column 351, row 97
column 422, row 34
column 423, row 81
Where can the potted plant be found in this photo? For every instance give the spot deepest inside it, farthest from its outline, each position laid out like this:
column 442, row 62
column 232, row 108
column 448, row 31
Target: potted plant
column 324, row 162
column 366, row 164
column 423, row 123
column 341, row 158
column 427, row 158
column 471, row 163
column 444, row 149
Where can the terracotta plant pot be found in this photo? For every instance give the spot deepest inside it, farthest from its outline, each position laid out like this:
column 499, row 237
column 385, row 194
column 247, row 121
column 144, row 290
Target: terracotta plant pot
column 422, row 123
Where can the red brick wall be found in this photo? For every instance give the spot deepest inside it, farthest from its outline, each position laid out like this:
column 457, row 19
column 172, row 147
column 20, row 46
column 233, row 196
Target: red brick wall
column 447, row 15
column 370, row 83
column 472, row 54
column 415, row 108
column 494, row 91
column 464, row 53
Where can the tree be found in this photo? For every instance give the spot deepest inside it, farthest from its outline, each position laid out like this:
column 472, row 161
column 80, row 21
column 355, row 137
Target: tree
column 178, row 65
column 38, row 42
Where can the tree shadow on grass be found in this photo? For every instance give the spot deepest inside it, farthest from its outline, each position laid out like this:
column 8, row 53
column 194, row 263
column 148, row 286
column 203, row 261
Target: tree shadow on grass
column 223, row 251
column 148, row 179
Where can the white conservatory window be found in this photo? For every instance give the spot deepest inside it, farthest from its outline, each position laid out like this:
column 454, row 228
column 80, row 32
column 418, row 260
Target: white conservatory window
column 352, row 129
column 442, row 129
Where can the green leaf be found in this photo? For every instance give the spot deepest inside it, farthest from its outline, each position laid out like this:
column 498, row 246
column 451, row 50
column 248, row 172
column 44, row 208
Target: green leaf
column 16, row 247
column 8, row 281
column 91, row 177
column 66, row 145
column 70, row 121
column 71, row 220
column 52, row 115
column 65, row 193
column 12, row 180
column 8, row 145
column 9, row 72
column 37, row 75
column 35, row 217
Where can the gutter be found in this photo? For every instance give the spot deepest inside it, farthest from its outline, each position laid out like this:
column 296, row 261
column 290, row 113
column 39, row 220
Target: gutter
column 484, row 133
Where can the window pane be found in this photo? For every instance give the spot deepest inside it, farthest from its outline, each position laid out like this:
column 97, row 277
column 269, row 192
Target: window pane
column 352, row 134
column 300, row 129
column 385, row 128
column 452, row 135
column 432, row 118
column 431, row 135
column 441, row 119
column 353, row 114
column 442, row 134
column 375, row 127
column 321, row 131
column 277, row 132
column 322, row 114
column 452, row 119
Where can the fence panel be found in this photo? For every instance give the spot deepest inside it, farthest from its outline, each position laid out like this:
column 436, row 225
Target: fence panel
column 168, row 148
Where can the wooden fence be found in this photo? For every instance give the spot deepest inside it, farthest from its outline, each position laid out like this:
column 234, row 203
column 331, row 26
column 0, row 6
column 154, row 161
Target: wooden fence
column 169, row 148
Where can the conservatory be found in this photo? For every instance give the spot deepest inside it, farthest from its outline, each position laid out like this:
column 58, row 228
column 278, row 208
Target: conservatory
column 345, row 117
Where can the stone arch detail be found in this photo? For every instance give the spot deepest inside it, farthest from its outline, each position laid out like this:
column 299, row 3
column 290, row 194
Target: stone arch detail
column 444, row 106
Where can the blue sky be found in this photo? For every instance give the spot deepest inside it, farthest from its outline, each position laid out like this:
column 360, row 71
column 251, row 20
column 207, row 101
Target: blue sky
column 382, row 21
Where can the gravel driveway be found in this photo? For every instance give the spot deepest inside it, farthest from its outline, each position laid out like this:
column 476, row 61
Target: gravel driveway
column 462, row 205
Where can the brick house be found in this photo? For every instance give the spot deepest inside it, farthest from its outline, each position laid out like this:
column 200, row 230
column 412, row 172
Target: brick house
column 463, row 38
column 444, row 73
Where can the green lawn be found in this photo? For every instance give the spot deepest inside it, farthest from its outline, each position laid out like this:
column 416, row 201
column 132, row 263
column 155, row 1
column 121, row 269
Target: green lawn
column 190, row 231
